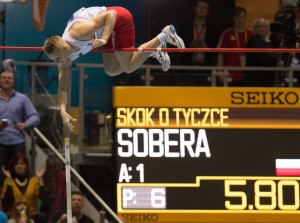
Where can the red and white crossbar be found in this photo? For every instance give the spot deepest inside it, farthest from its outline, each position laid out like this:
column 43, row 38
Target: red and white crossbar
column 220, row 50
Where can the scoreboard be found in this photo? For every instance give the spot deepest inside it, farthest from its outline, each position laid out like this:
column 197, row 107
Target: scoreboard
column 204, row 154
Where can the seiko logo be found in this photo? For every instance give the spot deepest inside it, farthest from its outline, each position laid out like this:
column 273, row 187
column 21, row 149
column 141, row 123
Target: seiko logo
column 140, row 217
column 264, row 98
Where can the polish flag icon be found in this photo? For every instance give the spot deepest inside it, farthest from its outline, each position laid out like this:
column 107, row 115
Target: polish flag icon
column 288, row 167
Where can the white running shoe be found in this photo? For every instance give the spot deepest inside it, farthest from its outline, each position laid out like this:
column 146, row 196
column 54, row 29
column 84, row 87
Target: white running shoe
column 163, row 59
column 172, row 36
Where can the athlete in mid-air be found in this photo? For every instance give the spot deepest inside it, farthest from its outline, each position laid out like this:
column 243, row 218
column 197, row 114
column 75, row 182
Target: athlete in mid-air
column 109, row 27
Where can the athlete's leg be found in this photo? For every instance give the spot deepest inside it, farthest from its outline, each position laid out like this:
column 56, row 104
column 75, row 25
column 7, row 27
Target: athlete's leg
column 131, row 61
column 111, row 64
column 127, row 61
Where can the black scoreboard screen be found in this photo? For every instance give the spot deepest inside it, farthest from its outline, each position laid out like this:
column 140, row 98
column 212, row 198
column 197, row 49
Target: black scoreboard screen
column 204, row 154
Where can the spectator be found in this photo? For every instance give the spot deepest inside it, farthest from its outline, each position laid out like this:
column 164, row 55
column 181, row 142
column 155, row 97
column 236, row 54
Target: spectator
column 54, row 193
column 21, row 212
column 3, row 217
column 235, row 37
column 17, row 114
column 77, row 203
column 260, row 39
column 200, row 33
column 19, row 184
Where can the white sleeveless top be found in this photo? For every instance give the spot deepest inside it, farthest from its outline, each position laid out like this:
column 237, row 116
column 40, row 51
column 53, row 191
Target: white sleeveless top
column 84, row 46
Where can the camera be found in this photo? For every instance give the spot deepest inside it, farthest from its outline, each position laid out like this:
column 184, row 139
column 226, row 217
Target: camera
column 285, row 31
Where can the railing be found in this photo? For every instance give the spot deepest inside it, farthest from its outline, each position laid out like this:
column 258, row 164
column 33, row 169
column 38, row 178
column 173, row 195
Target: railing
column 148, row 72
column 77, row 175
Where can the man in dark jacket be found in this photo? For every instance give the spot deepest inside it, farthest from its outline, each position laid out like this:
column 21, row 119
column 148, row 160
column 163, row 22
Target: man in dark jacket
column 77, row 203
column 260, row 39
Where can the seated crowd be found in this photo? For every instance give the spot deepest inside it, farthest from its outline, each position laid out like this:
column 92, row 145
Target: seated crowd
column 22, row 191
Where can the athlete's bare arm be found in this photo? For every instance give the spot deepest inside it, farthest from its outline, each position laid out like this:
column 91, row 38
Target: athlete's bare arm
column 62, row 93
column 84, row 30
column 108, row 21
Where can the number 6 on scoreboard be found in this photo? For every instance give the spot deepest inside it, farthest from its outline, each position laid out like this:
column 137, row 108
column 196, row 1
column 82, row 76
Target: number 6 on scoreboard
column 237, row 194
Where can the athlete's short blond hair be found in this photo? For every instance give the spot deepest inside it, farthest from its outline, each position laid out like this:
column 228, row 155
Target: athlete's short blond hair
column 52, row 44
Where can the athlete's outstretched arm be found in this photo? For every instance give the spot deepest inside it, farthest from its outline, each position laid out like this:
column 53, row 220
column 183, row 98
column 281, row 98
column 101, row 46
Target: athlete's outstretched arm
column 62, row 94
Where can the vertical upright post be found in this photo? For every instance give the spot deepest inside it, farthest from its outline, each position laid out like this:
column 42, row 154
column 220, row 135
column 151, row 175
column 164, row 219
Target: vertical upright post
column 68, row 176
column 81, row 106
column 67, row 135
column 32, row 97
column 32, row 151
